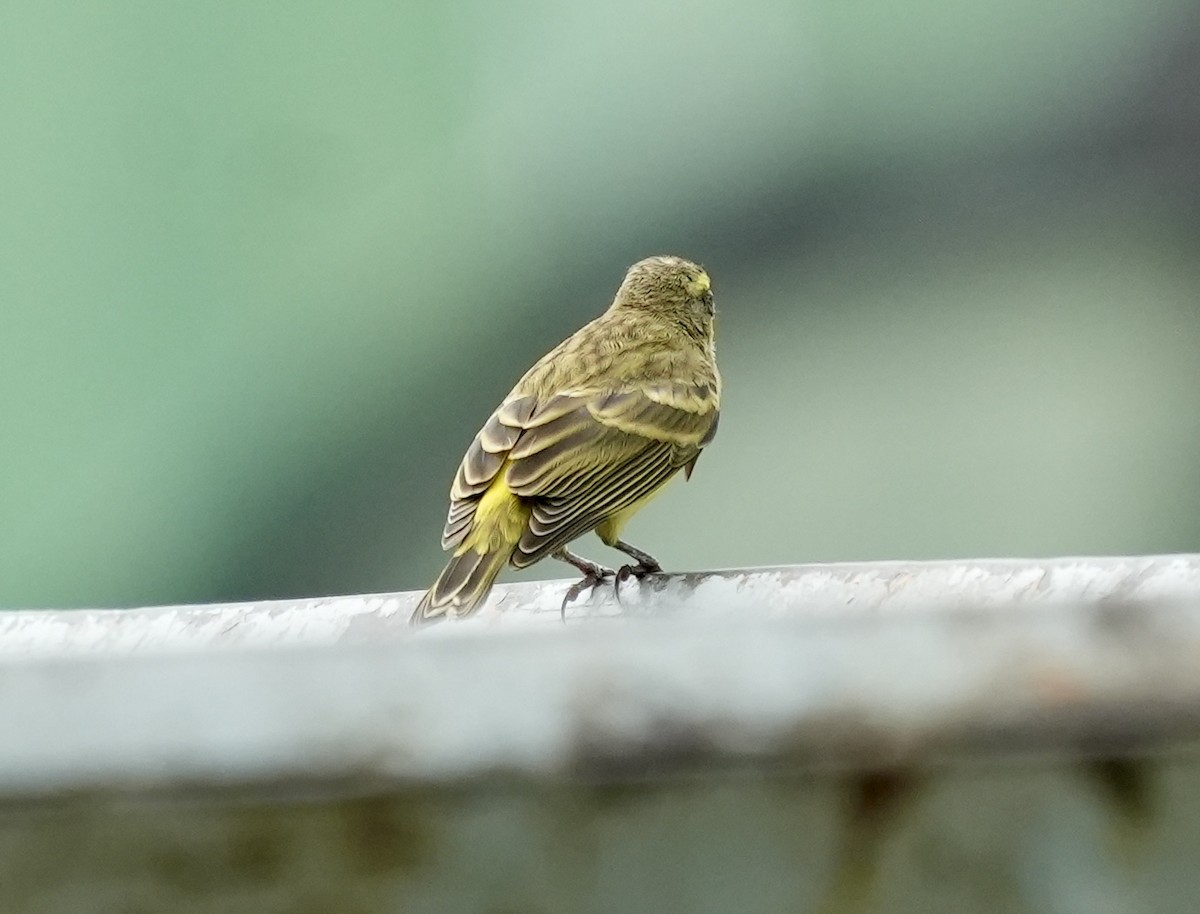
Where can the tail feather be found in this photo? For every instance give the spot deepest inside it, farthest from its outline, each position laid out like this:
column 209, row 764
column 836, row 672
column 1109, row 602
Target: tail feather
column 462, row 586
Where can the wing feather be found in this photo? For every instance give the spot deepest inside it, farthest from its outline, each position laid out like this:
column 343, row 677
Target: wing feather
column 481, row 463
column 619, row 489
column 644, row 413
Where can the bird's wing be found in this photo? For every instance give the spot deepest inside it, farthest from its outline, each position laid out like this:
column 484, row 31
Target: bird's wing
column 585, row 456
column 579, row 457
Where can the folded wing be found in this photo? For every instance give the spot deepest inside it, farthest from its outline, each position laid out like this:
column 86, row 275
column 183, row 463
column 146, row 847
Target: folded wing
column 579, row 457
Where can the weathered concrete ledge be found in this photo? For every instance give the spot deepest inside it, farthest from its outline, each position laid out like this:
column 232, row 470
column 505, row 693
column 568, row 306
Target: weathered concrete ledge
column 845, row 665
column 795, row 591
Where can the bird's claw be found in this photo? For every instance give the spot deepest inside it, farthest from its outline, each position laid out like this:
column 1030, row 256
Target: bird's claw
column 638, row 571
column 590, row 581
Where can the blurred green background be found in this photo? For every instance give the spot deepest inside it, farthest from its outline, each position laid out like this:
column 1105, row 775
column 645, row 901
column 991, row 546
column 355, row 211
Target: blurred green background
column 265, row 268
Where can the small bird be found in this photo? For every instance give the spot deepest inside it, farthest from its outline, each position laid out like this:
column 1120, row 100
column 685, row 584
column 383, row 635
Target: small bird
column 589, row 434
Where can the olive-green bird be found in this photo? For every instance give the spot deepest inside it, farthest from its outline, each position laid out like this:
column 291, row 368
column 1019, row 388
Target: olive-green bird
column 586, row 437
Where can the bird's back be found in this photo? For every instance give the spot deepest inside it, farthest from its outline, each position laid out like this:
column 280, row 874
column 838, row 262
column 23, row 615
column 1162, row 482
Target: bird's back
column 618, row 351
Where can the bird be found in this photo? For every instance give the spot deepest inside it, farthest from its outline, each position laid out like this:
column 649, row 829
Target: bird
column 587, row 436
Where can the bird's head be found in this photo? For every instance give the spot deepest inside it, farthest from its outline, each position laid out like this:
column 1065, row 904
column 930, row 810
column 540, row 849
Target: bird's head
column 671, row 286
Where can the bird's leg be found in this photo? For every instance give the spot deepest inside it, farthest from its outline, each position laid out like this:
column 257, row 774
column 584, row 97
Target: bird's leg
column 592, row 573
column 646, row 564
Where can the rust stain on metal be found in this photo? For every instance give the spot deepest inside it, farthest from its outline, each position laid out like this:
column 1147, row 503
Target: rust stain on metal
column 1058, row 687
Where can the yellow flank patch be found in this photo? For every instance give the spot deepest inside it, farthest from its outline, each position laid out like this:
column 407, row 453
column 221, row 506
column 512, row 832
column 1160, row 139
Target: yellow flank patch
column 499, row 521
column 699, row 285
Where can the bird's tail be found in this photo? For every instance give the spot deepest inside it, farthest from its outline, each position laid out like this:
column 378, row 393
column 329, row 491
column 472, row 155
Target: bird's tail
column 462, row 586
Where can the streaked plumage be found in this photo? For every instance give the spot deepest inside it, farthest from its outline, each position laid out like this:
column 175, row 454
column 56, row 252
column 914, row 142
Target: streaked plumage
column 586, row 437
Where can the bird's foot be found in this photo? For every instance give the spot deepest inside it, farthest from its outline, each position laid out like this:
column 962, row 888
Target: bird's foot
column 592, row 577
column 638, row 571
